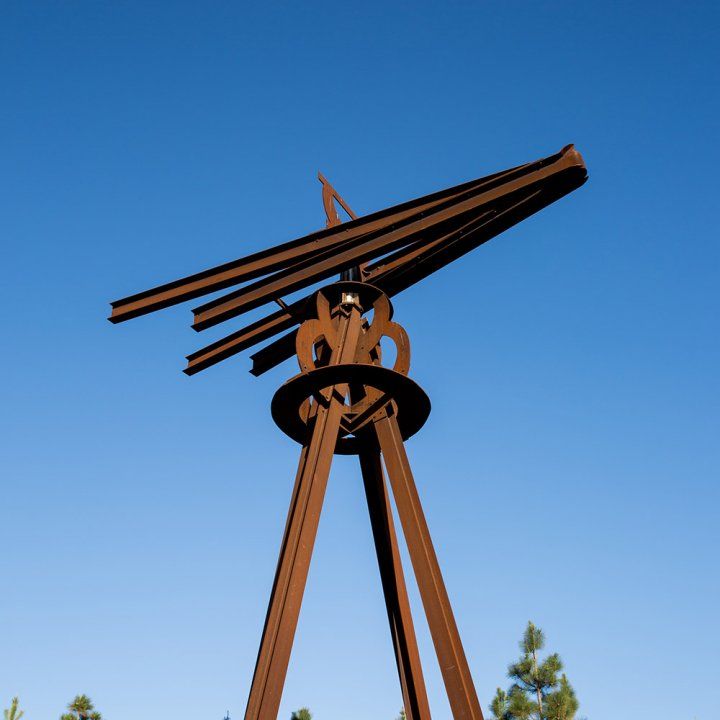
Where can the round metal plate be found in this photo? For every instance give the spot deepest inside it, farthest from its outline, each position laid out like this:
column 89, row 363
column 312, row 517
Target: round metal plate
column 411, row 402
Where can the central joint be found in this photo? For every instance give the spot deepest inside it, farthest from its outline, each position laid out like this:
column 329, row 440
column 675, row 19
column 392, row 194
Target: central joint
column 339, row 352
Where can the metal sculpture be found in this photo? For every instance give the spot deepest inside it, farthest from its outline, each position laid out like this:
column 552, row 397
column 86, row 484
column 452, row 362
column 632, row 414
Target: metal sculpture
column 344, row 400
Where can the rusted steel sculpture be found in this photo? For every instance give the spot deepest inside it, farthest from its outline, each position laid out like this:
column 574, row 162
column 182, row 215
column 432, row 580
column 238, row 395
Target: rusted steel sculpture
column 344, row 400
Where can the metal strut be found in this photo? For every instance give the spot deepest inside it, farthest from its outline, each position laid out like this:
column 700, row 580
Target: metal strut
column 345, row 401
column 402, row 631
column 299, row 539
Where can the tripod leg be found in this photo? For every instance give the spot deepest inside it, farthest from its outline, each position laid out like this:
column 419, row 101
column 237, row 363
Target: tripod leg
column 298, row 542
column 448, row 646
column 393, row 581
column 293, row 566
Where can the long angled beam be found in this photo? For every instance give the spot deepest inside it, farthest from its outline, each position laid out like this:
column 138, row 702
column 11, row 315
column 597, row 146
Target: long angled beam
column 428, row 260
column 421, row 261
column 284, row 347
column 366, row 247
column 392, row 273
column 284, row 319
column 397, row 603
column 283, row 255
column 458, row 680
column 299, row 538
column 280, row 320
column 242, row 339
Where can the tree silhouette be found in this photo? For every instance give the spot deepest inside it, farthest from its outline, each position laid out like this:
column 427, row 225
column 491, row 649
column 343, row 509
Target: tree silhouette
column 301, row 714
column 537, row 691
column 531, row 676
column 12, row 713
column 512, row 705
column 562, row 704
column 81, row 708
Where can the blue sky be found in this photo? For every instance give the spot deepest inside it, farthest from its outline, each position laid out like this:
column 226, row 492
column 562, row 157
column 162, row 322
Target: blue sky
column 569, row 468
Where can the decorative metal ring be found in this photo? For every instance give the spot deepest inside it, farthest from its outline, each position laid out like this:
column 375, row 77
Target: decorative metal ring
column 410, row 401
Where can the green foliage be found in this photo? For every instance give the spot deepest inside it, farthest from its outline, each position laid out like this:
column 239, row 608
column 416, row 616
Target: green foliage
column 12, row 713
column 81, row 708
column 402, row 715
column 562, row 704
column 499, row 706
column 301, row 714
column 520, row 707
column 533, row 639
column 512, row 705
column 533, row 677
column 537, row 690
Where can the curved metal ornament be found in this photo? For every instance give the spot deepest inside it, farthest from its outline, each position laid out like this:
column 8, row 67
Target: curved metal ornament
column 371, row 386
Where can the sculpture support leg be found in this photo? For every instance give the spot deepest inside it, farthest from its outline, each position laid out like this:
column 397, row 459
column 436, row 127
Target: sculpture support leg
column 393, row 582
column 448, row 646
column 299, row 539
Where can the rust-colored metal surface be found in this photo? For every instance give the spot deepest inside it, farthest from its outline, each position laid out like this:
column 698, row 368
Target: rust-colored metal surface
column 345, row 400
column 407, row 657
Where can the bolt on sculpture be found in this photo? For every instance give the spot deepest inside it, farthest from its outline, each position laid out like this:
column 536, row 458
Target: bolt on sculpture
column 344, row 400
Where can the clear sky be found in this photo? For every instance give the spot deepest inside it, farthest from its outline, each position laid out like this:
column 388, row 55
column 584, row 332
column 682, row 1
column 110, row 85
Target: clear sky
column 569, row 468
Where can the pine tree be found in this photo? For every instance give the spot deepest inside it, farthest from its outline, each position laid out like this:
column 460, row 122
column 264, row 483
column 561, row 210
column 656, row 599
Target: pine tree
column 301, row 714
column 562, row 704
column 81, row 708
column 520, row 707
column 499, row 707
column 531, row 676
column 536, row 692
column 12, row 713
